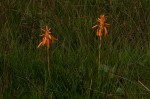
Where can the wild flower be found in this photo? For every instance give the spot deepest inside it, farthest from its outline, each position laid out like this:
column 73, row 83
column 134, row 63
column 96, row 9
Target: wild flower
column 102, row 26
column 47, row 38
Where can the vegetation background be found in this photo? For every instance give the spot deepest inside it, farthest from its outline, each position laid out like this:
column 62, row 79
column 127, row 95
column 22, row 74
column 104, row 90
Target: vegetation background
column 125, row 50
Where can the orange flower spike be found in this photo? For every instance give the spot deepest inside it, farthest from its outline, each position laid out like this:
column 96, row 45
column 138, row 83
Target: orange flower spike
column 102, row 26
column 47, row 37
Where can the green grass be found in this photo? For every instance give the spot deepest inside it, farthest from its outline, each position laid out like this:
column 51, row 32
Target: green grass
column 125, row 50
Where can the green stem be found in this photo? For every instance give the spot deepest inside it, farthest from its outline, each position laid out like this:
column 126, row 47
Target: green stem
column 90, row 88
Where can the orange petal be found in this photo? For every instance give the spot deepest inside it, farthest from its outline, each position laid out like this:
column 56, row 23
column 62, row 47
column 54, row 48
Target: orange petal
column 94, row 26
column 53, row 39
column 49, row 37
column 100, row 32
column 40, row 44
column 42, row 34
column 107, row 25
column 98, row 20
column 42, row 29
column 105, row 31
column 97, row 32
column 46, row 28
column 103, row 18
column 44, row 40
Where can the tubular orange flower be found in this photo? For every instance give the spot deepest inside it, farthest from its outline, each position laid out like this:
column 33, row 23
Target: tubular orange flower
column 47, row 38
column 101, row 27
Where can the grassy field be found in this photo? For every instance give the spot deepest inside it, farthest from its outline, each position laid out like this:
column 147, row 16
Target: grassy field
column 125, row 51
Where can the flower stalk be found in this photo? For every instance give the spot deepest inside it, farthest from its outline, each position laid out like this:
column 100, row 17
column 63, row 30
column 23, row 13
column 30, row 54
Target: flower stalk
column 101, row 30
column 47, row 40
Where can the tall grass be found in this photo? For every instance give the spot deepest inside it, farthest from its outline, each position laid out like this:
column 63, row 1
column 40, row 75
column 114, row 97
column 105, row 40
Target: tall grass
column 125, row 50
